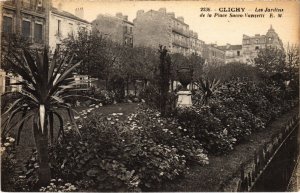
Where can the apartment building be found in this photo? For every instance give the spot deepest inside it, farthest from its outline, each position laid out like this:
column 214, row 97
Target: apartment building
column 117, row 28
column 213, row 55
column 252, row 44
column 196, row 45
column 233, row 53
column 154, row 28
column 27, row 19
column 62, row 24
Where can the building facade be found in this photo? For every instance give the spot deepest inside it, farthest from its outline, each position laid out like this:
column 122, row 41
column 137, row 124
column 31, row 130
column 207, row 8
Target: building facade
column 252, row 44
column 154, row 28
column 196, row 45
column 27, row 18
column 25, row 21
column 62, row 24
column 233, row 53
column 116, row 28
column 213, row 55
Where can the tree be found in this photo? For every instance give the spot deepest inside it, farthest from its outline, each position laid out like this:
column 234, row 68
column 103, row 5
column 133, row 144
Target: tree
column 271, row 61
column 45, row 87
column 164, row 78
column 92, row 50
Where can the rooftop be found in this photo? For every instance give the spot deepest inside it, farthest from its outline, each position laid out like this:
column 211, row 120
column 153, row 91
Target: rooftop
column 67, row 14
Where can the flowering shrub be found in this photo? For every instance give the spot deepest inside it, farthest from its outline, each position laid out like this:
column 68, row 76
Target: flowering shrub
column 57, row 185
column 105, row 96
column 237, row 110
column 134, row 154
column 8, row 164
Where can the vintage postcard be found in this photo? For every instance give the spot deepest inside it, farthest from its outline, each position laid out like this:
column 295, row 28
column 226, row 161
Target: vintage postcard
column 150, row 96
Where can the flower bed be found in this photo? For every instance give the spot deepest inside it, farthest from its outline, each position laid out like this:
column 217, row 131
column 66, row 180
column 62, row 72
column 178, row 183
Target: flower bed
column 240, row 108
column 134, row 154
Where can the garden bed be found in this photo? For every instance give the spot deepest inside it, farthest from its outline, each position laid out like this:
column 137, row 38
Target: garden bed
column 221, row 169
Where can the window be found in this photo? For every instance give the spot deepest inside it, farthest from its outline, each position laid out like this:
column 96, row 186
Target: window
column 256, row 47
column 131, row 30
column 58, row 27
column 7, row 25
column 26, row 32
column 238, row 53
column 125, row 29
column 270, row 39
column 38, row 32
column 256, row 41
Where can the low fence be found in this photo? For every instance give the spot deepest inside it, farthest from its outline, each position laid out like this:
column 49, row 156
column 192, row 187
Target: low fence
column 272, row 165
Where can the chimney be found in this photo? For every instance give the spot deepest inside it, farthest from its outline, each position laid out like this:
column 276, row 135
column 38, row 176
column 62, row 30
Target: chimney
column 162, row 10
column 79, row 12
column 171, row 14
column 119, row 15
column 181, row 19
column 139, row 12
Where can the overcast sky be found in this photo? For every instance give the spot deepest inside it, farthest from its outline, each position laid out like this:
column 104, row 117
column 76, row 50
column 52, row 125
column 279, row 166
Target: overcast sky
column 210, row 30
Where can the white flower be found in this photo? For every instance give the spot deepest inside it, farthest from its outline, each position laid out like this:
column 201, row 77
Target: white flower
column 11, row 140
column 184, row 130
column 97, row 106
column 6, row 144
column 76, row 117
column 114, row 114
column 108, row 118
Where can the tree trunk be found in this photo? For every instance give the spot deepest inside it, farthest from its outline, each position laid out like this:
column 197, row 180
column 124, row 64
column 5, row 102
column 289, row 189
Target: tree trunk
column 41, row 142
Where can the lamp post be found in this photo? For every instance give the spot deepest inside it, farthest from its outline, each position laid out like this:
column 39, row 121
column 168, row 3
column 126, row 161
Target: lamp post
column 185, row 74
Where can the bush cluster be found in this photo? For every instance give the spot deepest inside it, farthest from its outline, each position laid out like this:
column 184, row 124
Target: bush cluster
column 240, row 108
column 137, row 153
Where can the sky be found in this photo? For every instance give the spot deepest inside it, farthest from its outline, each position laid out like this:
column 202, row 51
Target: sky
column 220, row 30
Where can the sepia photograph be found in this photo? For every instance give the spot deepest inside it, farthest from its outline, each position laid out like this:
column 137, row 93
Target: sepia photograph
column 149, row 95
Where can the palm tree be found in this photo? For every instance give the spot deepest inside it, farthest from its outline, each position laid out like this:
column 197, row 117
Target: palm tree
column 45, row 86
column 208, row 89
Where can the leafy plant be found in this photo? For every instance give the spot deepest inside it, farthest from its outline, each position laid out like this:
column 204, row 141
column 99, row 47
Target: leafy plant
column 45, row 86
column 207, row 90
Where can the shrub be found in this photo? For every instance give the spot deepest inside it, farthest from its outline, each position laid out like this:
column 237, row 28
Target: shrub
column 135, row 154
column 105, row 96
column 240, row 108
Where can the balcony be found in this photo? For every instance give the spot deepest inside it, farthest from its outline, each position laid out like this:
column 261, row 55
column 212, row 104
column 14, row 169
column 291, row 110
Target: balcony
column 181, row 31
